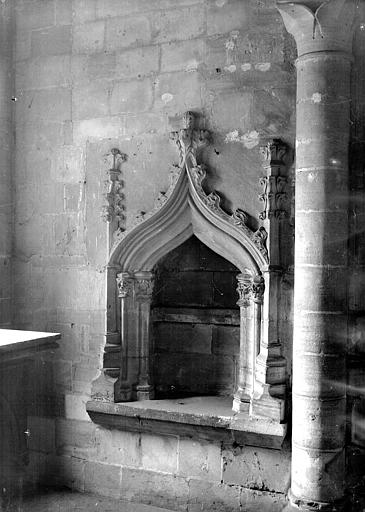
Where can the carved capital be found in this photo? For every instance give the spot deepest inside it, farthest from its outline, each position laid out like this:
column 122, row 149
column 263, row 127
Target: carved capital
column 188, row 140
column 258, row 289
column 250, row 288
column 244, row 289
column 124, row 285
column 144, row 286
column 327, row 27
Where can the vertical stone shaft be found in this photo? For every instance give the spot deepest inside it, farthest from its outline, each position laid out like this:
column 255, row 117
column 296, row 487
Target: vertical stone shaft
column 144, row 287
column 6, row 159
column 125, row 294
column 321, row 225
column 321, row 232
column 241, row 401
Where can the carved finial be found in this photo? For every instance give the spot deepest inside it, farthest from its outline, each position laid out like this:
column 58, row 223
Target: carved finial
column 124, row 284
column 188, row 120
column 274, row 152
column 114, row 207
column 188, row 140
column 274, row 195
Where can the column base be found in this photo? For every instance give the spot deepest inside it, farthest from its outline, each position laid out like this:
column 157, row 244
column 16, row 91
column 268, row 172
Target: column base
column 145, row 393
column 241, row 404
column 266, row 406
column 123, row 392
column 341, row 505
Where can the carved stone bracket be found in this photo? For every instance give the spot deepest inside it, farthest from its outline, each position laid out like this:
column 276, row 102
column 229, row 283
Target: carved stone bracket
column 113, row 209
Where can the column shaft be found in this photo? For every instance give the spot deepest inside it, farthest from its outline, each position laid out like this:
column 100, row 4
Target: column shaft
column 323, row 33
column 321, row 227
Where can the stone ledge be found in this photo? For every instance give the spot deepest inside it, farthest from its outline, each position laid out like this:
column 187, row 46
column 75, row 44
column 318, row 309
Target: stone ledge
column 207, row 418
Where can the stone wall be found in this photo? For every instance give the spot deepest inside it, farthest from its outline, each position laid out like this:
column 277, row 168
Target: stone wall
column 96, row 74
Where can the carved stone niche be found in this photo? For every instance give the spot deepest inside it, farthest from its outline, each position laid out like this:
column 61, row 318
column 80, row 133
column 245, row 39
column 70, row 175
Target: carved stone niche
column 124, row 395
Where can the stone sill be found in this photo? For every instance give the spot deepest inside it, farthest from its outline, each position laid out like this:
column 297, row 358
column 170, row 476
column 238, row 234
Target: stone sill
column 206, row 418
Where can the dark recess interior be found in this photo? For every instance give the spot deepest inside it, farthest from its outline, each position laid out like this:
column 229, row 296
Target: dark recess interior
column 195, row 323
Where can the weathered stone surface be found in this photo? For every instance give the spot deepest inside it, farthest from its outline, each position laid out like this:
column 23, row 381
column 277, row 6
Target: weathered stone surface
column 257, row 501
column 178, row 24
column 267, row 470
column 75, row 438
column 91, row 101
column 175, row 338
column 136, row 96
column 224, row 17
column 158, row 489
column 216, row 497
column 119, row 448
column 88, row 37
column 160, row 453
column 51, row 41
column 200, row 460
column 103, row 479
column 184, row 56
column 42, row 434
column 226, row 340
column 137, row 62
column 122, row 33
column 43, row 72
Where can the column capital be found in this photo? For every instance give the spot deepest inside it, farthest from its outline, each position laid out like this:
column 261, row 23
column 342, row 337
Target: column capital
column 143, row 285
column 324, row 28
column 244, row 289
column 124, row 284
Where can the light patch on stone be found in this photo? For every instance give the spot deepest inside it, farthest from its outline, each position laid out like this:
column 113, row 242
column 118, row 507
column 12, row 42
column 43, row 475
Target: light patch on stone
column 232, row 136
column 167, row 97
column 230, row 44
column 263, row 66
column 246, row 67
column 303, row 141
column 192, row 66
column 250, row 139
column 310, row 177
column 220, row 3
column 231, row 68
column 316, row 97
column 335, row 161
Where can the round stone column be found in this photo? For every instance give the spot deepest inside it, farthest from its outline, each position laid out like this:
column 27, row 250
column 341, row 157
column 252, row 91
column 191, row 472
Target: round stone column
column 323, row 34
